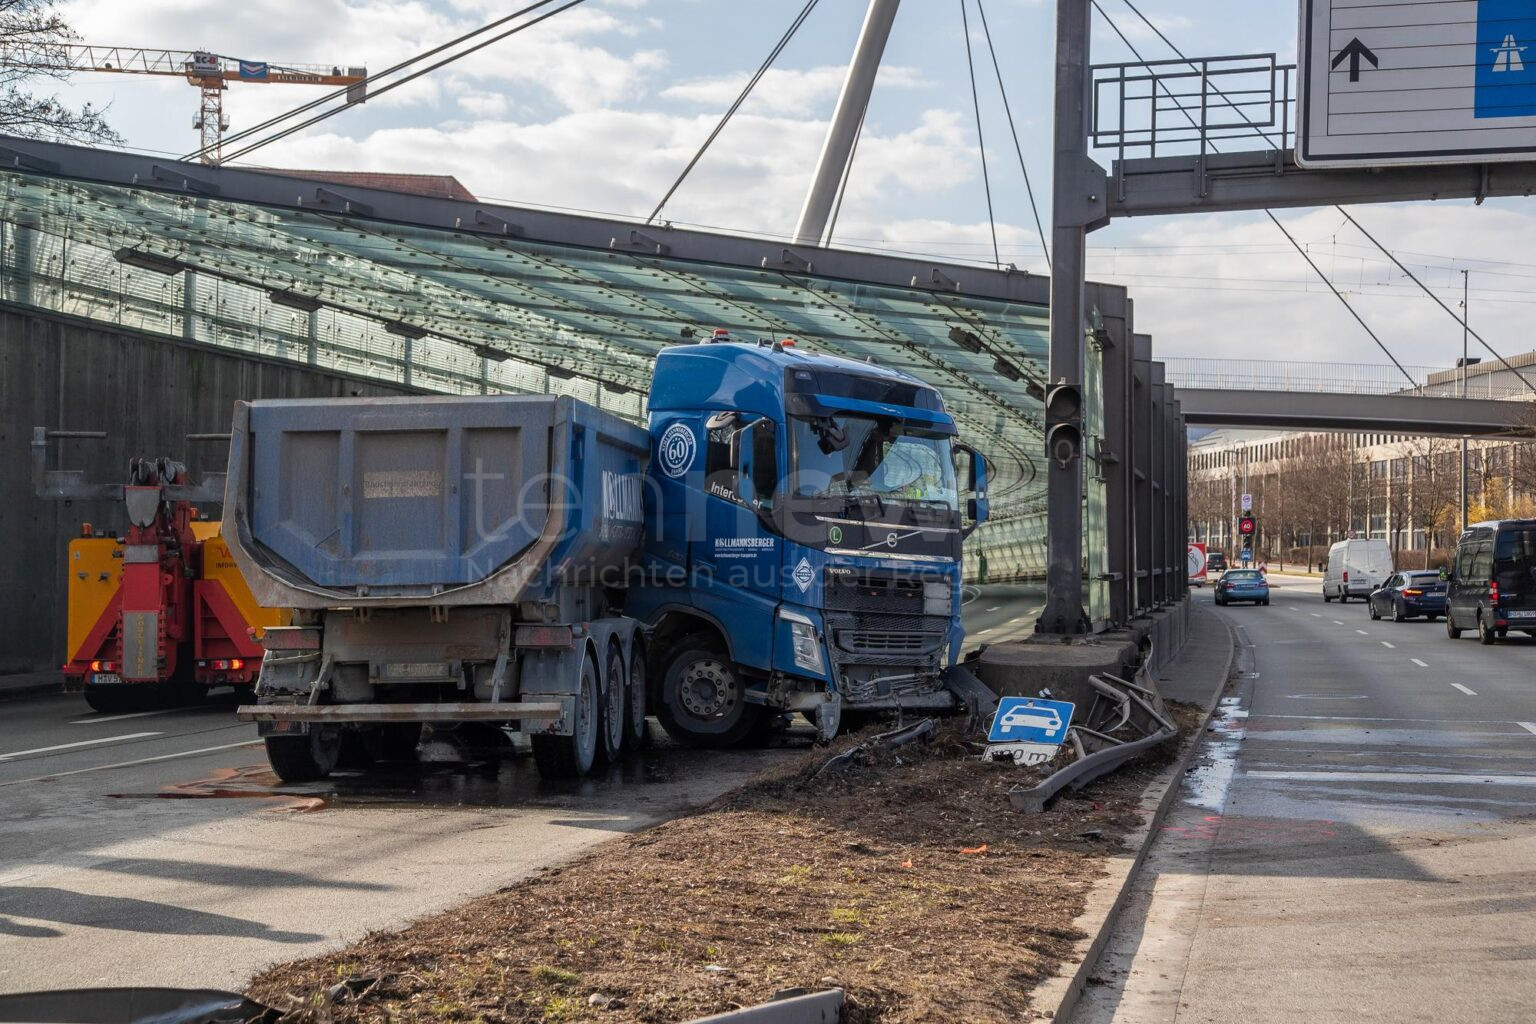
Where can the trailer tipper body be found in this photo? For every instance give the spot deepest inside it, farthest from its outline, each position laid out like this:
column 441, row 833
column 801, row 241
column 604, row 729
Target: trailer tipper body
column 784, row 538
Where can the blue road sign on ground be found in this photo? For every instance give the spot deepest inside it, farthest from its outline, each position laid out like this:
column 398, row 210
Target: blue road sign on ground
column 1506, row 61
column 1030, row 720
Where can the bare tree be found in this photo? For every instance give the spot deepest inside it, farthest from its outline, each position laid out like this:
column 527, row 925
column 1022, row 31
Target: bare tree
column 1436, row 482
column 32, row 37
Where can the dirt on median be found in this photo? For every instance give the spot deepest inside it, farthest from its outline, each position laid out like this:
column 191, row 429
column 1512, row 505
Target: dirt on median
column 906, row 879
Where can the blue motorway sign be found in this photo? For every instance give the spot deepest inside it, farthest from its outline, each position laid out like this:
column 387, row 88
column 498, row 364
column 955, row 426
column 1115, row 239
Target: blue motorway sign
column 1030, row 720
column 1506, row 66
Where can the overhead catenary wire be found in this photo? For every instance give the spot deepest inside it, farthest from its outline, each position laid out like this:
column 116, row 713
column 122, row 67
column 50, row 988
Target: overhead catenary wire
column 1029, row 188
column 408, row 78
column 746, row 91
column 1461, row 320
column 341, row 93
column 981, row 142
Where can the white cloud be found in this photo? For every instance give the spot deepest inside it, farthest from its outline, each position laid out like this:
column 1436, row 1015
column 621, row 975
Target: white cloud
column 785, row 91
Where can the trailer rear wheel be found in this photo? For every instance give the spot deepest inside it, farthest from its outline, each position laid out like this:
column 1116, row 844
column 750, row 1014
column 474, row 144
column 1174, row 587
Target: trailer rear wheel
column 636, row 736
column 703, row 702
column 615, row 705
column 305, row 758
column 571, row 757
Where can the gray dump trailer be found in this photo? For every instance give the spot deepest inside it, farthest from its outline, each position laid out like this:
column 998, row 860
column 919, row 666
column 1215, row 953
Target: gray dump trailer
column 448, row 561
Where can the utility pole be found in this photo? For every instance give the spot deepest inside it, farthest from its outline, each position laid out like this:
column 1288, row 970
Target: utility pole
column 846, row 119
column 1466, row 315
column 1079, row 204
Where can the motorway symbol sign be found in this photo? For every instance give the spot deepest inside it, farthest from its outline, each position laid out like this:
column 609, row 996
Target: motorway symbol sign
column 1416, row 82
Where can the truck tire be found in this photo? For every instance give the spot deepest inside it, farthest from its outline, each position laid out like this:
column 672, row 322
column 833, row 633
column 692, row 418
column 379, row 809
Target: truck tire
column 615, row 705
column 1487, row 635
column 305, row 758
column 703, row 703
column 636, row 735
column 571, row 757
column 1451, row 629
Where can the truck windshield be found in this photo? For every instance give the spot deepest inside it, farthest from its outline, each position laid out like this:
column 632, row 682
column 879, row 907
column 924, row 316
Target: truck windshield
column 860, row 456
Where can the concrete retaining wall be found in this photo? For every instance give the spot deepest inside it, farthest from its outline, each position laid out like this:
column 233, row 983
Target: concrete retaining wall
column 148, row 393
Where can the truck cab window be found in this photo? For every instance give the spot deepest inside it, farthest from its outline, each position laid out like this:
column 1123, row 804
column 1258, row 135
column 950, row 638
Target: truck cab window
column 719, row 471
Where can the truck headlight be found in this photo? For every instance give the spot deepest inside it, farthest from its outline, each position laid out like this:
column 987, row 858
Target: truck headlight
column 803, row 641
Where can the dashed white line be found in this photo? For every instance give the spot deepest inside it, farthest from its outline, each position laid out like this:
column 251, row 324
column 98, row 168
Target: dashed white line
column 994, row 608
column 1317, row 615
column 82, row 743
column 1362, row 632
column 1465, row 689
column 1529, row 727
column 1421, row 664
column 131, row 764
column 1388, row 643
column 133, row 714
column 1336, row 622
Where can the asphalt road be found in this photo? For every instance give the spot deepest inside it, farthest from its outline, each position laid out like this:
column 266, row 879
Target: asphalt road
column 1357, row 842
column 157, row 849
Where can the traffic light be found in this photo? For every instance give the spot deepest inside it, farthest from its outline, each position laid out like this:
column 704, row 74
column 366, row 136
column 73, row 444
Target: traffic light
column 1063, row 423
column 1246, row 525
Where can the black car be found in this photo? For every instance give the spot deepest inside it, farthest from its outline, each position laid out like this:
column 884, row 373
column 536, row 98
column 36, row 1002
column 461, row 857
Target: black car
column 1407, row 595
column 1493, row 580
column 1215, row 563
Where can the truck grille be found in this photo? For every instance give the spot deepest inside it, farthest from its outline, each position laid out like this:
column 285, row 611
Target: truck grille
column 873, row 641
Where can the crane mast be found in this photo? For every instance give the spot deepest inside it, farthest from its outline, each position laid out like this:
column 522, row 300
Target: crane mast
column 212, row 73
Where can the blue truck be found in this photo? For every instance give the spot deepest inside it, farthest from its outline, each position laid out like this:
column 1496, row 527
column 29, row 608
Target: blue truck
column 784, row 538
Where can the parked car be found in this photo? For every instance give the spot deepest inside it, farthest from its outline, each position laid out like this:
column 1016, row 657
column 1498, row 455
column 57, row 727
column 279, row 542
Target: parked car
column 1356, row 568
column 1215, row 563
column 1242, row 585
column 1407, row 595
column 1492, row 580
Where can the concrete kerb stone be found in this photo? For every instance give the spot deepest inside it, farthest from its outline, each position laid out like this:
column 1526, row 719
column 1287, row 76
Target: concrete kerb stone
column 30, row 684
column 1057, row 996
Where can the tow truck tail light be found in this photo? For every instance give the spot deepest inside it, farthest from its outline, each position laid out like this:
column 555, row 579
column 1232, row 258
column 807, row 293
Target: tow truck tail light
column 103, row 666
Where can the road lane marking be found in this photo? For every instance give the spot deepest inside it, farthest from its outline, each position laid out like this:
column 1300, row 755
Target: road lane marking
column 1336, row 622
column 133, row 714
column 1465, row 689
column 1317, row 615
column 82, row 743
column 1419, row 663
column 1529, row 727
column 1362, row 632
column 994, row 608
column 131, row 764
column 1412, row 778
column 1388, row 643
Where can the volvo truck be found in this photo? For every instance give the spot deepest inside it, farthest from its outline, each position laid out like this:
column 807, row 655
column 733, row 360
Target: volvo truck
column 784, row 538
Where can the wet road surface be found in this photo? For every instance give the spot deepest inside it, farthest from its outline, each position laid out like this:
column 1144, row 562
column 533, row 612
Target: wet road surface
column 1357, row 840
column 156, row 848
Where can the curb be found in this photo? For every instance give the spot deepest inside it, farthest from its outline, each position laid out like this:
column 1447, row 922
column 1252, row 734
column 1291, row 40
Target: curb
column 16, row 691
column 1058, row 996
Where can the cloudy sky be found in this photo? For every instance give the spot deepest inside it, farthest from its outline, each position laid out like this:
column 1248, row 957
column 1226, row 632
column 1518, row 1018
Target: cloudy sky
column 600, row 107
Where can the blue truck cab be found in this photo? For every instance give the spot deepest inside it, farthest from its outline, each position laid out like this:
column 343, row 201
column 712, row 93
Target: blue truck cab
column 802, row 550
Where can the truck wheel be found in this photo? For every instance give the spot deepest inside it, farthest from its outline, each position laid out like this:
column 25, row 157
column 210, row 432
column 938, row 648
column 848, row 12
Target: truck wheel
column 1326, row 598
column 1451, row 629
column 1486, row 634
column 305, row 758
column 636, row 736
column 615, row 706
column 703, row 703
column 571, row 757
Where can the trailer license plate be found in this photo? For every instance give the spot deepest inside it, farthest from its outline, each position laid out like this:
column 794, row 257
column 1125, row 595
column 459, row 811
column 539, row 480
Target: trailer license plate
column 106, row 679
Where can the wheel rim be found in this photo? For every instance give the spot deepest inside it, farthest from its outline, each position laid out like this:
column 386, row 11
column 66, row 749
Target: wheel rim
column 637, row 694
column 586, row 716
column 615, row 704
column 708, row 690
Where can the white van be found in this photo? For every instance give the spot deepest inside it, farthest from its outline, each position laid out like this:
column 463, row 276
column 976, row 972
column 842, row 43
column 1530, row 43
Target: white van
column 1355, row 568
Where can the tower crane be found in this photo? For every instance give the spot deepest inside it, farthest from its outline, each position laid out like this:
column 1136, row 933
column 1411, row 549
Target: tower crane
column 209, row 71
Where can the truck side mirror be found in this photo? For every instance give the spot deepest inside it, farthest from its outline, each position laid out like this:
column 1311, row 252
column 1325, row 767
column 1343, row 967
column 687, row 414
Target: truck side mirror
column 976, row 484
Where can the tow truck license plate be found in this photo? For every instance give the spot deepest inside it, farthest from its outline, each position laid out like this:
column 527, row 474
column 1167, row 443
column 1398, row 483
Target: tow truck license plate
column 106, row 679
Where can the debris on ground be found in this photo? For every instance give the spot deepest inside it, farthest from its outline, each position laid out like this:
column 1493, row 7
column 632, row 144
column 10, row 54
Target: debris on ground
column 902, row 876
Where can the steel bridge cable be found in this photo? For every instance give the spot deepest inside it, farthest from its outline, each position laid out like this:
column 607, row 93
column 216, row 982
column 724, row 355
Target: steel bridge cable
column 842, row 186
column 1007, row 109
column 245, row 133
column 1269, row 213
column 1460, row 319
column 408, row 78
column 1383, row 249
column 981, row 142
column 773, row 55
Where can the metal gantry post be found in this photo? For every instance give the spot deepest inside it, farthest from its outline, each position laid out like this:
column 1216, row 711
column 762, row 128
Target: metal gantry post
column 1115, row 314
column 1078, row 206
column 846, row 119
column 1141, row 467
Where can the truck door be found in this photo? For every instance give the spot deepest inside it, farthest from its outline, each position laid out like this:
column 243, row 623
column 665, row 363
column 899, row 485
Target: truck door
column 736, row 559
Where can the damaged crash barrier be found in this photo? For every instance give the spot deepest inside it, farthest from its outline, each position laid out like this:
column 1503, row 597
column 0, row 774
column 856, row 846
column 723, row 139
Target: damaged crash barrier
column 1119, row 720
